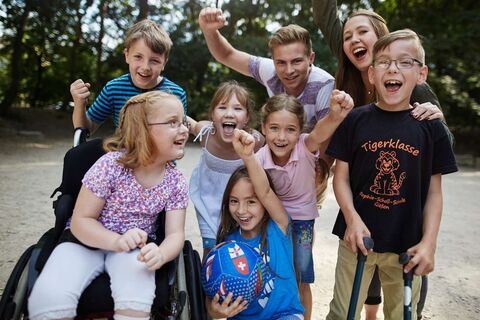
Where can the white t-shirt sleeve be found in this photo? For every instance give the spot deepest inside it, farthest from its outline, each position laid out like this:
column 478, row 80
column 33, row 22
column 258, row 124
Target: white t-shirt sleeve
column 322, row 103
column 261, row 69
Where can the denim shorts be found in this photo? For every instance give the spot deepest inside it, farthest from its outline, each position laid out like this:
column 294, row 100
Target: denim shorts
column 302, row 231
column 208, row 243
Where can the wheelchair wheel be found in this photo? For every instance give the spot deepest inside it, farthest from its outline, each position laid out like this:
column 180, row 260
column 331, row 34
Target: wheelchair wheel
column 14, row 299
column 195, row 292
column 177, row 307
column 182, row 288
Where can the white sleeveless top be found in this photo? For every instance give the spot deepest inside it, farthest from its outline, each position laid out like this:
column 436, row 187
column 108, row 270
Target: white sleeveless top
column 207, row 185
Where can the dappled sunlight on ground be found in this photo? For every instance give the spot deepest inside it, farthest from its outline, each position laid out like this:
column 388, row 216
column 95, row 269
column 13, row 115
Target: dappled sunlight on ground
column 31, row 168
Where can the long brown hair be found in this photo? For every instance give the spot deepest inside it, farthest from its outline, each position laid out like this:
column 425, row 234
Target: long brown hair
column 133, row 134
column 227, row 223
column 348, row 77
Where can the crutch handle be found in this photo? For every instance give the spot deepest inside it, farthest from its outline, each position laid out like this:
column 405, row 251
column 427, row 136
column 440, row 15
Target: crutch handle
column 403, row 259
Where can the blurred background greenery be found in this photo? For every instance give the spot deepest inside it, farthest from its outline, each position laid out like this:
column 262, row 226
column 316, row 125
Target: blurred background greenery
column 46, row 45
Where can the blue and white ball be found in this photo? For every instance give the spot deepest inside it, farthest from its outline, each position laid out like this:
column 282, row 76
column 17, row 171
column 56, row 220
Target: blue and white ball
column 234, row 267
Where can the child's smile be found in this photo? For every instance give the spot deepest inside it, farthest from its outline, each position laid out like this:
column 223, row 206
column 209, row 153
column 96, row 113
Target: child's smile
column 167, row 129
column 144, row 65
column 392, row 85
column 282, row 131
column 227, row 116
column 245, row 208
column 395, row 73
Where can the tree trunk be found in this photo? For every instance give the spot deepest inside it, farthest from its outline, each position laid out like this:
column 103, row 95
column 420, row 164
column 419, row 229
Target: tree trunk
column 15, row 76
column 39, row 76
column 143, row 10
column 99, row 45
column 72, row 76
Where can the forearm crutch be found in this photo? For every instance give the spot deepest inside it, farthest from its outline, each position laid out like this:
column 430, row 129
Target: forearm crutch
column 357, row 281
column 404, row 258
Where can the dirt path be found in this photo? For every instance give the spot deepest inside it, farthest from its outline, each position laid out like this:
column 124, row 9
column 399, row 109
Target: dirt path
column 31, row 166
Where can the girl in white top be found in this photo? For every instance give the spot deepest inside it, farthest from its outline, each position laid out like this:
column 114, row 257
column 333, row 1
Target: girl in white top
column 231, row 108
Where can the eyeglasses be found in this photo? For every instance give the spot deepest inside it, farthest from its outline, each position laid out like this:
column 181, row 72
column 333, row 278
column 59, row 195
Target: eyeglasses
column 403, row 63
column 174, row 124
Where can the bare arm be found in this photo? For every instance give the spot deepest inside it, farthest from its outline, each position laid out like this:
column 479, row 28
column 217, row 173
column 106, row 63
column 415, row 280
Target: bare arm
column 174, row 234
column 91, row 232
column 210, row 20
column 196, row 126
column 156, row 256
column 326, row 18
column 259, row 140
column 356, row 229
column 244, row 143
column 423, row 254
column 80, row 92
column 340, row 105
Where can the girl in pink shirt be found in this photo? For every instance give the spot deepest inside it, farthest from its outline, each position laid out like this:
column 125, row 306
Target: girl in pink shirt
column 289, row 156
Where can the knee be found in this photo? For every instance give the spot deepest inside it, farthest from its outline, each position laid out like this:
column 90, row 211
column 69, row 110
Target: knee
column 304, row 287
column 51, row 304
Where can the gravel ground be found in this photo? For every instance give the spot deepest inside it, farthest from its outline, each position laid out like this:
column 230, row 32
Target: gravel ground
column 31, row 155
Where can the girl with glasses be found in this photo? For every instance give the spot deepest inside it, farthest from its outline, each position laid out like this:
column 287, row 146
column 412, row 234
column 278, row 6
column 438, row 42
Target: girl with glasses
column 116, row 212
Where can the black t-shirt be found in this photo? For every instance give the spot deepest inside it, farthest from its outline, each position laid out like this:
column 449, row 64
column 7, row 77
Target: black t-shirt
column 391, row 158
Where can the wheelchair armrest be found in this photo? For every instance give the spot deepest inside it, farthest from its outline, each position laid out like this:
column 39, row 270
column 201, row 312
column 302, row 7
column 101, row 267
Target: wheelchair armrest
column 63, row 211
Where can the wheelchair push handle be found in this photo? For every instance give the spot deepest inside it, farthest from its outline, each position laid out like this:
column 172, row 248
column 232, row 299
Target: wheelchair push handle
column 80, row 135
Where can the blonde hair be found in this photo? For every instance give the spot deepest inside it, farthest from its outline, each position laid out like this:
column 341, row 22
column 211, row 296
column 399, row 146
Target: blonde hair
column 404, row 34
column 348, row 78
column 290, row 34
column 133, row 134
column 225, row 91
column 156, row 38
column 286, row 102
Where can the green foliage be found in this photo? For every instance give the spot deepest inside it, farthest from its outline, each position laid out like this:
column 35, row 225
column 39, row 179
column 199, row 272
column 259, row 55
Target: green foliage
column 449, row 30
column 60, row 39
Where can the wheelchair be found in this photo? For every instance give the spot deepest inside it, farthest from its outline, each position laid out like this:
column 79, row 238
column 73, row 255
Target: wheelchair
column 178, row 289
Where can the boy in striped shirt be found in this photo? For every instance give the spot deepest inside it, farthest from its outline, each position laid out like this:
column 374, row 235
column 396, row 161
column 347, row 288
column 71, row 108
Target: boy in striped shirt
column 146, row 52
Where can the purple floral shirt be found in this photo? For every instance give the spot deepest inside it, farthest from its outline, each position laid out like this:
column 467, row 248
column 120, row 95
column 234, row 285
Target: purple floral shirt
column 129, row 205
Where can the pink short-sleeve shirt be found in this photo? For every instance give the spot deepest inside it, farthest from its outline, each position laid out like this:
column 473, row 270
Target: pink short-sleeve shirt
column 294, row 182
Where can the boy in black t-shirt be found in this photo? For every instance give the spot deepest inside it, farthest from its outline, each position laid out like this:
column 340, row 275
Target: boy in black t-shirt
column 388, row 179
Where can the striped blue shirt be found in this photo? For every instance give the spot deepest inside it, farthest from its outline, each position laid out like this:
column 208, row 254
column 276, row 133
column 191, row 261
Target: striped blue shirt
column 116, row 92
